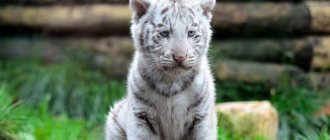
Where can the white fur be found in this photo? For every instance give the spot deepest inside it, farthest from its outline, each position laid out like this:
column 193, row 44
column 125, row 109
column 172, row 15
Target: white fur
column 169, row 114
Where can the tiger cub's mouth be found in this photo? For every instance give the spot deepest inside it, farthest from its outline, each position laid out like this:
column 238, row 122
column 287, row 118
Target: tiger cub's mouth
column 177, row 66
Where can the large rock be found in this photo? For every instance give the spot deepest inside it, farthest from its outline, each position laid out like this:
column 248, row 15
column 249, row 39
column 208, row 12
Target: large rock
column 250, row 119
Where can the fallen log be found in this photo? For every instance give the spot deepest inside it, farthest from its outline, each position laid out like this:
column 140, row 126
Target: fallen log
column 310, row 53
column 94, row 19
column 61, row 2
column 321, row 53
column 320, row 16
column 253, row 120
column 261, row 18
column 295, row 51
column 320, row 81
column 259, row 73
column 267, row 18
column 112, row 55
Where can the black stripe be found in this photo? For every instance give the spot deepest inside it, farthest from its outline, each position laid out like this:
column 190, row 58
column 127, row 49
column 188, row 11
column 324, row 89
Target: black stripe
column 164, row 19
column 198, row 119
column 200, row 96
column 164, row 10
column 191, row 11
column 189, row 81
column 138, row 94
column 143, row 100
column 155, row 40
column 144, row 116
column 114, row 117
column 120, row 129
column 141, row 36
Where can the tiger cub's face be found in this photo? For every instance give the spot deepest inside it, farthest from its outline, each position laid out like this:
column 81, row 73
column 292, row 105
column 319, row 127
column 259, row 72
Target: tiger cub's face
column 172, row 35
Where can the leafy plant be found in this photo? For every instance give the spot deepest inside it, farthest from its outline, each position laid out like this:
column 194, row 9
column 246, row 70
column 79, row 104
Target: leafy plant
column 19, row 122
column 72, row 88
column 9, row 116
column 297, row 108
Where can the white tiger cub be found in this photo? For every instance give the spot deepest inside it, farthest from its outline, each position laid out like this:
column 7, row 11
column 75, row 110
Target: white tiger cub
column 170, row 86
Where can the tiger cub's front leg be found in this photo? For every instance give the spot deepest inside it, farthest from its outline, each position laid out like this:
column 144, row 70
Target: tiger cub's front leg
column 205, row 128
column 142, row 126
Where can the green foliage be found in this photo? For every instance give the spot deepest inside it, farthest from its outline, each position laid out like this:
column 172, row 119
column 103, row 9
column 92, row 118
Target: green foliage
column 297, row 107
column 224, row 134
column 297, row 110
column 24, row 123
column 72, row 88
column 9, row 117
column 236, row 91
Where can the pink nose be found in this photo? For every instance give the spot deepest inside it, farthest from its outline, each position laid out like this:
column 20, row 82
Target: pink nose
column 179, row 58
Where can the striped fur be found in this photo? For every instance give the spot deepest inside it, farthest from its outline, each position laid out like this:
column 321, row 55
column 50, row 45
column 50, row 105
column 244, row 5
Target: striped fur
column 167, row 99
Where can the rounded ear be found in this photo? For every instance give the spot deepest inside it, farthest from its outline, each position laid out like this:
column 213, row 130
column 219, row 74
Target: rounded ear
column 207, row 6
column 139, row 8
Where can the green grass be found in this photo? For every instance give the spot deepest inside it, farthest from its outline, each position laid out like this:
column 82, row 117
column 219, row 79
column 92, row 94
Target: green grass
column 72, row 88
column 10, row 120
column 19, row 122
column 297, row 110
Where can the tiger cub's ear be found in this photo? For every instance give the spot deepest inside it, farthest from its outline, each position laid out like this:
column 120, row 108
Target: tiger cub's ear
column 139, row 8
column 207, row 6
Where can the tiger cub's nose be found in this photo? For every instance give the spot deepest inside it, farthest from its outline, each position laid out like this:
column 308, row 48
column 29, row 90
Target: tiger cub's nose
column 179, row 58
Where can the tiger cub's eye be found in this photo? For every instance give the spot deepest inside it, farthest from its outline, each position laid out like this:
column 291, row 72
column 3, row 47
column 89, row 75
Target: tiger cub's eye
column 191, row 33
column 164, row 33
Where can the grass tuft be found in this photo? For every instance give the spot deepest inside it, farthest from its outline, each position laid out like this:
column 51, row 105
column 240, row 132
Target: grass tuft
column 71, row 88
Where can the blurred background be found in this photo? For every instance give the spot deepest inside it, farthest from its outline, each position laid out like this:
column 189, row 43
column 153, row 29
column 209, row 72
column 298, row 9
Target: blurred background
column 63, row 63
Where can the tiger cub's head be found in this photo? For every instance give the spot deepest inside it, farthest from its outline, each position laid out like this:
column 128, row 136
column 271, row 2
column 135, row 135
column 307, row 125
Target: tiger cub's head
column 172, row 35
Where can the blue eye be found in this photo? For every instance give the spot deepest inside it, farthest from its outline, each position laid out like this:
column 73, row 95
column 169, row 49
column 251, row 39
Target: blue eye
column 164, row 33
column 191, row 33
